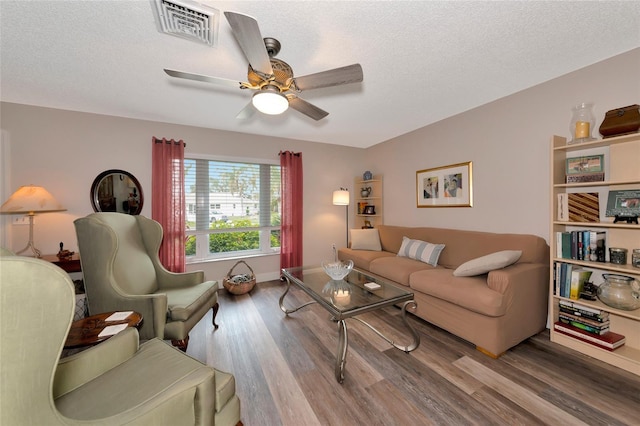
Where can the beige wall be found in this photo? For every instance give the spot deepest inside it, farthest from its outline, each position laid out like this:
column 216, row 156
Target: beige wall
column 507, row 140
column 64, row 151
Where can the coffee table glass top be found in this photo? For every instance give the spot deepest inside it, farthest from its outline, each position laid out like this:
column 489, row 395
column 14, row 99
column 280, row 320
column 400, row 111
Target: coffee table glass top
column 349, row 296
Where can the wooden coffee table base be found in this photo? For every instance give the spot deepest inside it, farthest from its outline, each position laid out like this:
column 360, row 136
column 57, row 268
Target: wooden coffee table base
column 86, row 331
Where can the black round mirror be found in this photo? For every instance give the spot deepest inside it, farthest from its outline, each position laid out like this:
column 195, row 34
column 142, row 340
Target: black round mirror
column 116, row 191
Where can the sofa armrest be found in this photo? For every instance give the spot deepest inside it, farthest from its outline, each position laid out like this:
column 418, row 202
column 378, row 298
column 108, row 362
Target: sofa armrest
column 534, row 275
column 78, row 369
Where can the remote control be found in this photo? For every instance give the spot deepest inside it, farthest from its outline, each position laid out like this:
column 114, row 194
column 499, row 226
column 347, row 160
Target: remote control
column 372, row 286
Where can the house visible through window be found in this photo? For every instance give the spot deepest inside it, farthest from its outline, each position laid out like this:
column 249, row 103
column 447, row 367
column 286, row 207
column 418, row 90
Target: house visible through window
column 232, row 208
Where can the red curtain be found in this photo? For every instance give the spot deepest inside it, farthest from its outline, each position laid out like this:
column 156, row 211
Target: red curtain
column 291, row 220
column 168, row 200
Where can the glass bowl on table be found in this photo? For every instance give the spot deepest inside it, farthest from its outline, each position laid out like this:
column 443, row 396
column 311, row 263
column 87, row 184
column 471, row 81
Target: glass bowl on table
column 337, row 269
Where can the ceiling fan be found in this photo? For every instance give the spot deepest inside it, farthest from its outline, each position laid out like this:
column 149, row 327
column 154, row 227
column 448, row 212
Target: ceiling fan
column 273, row 80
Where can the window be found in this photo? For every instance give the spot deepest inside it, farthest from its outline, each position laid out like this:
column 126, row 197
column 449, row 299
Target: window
column 232, row 208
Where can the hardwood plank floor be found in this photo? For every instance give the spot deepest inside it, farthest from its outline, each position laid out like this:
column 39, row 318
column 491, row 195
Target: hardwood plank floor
column 284, row 371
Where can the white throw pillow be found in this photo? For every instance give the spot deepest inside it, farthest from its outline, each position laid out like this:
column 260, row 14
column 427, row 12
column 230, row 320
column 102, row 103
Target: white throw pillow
column 365, row 239
column 420, row 250
column 482, row 265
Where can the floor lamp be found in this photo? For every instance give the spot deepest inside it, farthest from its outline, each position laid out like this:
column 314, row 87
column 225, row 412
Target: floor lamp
column 341, row 198
column 30, row 200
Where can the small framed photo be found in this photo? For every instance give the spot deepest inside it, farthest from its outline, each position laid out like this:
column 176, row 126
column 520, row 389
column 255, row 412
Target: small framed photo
column 585, row 164
column 447, row 186
column 623, row 203
column 369, row 209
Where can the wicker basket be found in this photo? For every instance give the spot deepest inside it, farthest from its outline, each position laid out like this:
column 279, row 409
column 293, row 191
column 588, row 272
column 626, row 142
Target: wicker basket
column 239, row 287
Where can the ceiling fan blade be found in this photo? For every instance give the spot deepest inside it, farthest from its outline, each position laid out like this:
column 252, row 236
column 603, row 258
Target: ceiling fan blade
column 306, row 108
column 246, row 112
column 246, row 31
column 205, row 78
column 334, row 77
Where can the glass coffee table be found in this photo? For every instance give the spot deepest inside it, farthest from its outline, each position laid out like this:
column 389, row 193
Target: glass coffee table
column 347, row 298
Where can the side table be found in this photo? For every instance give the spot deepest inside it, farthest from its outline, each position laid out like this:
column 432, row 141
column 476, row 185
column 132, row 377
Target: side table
column 86, row 331
column 68, row 265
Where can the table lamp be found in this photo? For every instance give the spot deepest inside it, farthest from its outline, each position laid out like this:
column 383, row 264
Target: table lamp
column 341, row 198
column 29, row 200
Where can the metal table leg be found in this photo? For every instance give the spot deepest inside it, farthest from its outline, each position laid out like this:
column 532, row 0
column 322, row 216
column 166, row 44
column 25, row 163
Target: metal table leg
column 416, row 337
column 341, row 356
column 281, row 303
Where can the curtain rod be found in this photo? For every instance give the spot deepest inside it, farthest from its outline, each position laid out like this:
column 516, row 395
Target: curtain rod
column 297, row 154
column 156, row 140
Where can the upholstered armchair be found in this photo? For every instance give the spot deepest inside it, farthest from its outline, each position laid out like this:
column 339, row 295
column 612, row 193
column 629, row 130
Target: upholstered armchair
column 122, row 272
column 114, row 383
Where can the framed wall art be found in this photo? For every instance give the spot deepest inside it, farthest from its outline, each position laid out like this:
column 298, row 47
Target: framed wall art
column 447, row 186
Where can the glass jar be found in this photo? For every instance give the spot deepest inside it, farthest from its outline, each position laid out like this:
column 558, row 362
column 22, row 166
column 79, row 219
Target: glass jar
column 635, row 258
column 582, row 123
column 619, row 291
column 618, row 255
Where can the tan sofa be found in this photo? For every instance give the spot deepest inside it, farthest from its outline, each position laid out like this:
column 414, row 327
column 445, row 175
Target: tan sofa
column 495, row 311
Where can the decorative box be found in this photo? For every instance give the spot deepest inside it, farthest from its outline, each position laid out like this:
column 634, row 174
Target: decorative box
column 621, row 121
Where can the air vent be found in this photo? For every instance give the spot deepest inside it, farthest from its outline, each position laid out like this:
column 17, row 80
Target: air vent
column 187, row 19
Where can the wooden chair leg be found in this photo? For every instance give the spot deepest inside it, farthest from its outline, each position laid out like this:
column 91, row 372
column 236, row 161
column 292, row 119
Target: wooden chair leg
column 215, row 312
column 181, row 344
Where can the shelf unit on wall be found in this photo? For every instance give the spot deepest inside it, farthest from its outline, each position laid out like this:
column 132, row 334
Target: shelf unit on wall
column 621, row 155
column 374, row 199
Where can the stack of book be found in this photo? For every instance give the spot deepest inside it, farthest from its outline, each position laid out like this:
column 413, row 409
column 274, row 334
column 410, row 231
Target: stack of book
column 587, row 324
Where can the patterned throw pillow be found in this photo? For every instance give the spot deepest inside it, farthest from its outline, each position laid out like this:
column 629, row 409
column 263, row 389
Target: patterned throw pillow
column 420, row 250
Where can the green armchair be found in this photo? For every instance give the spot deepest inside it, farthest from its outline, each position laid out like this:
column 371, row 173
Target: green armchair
column 122, row 272
column 114, row 383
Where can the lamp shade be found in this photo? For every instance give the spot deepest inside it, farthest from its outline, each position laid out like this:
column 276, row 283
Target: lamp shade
column 269, row 101
column 30, row 199
column 341, row 197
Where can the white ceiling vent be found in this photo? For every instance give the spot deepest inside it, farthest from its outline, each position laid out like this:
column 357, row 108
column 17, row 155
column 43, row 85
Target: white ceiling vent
column 187, row 19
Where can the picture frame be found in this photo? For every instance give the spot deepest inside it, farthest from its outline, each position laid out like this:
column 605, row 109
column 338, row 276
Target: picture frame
column 446, row 186
column 585, row 164
column 369, row 209
column 623, row 204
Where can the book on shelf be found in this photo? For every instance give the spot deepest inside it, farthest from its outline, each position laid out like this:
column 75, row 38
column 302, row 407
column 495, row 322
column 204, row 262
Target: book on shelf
column 564, row 281
column 585, row 327
column 581, row 244
column 584, row 320
column 583, row 311
column 608, row 340
column 578, row 277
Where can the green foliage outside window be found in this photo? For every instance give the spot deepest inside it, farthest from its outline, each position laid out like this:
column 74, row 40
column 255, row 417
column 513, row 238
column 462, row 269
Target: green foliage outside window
column 234, row 240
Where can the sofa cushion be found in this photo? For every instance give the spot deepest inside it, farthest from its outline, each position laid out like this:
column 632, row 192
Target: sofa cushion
column 471, row 293
column 397, row 268
column 421, row 250
column 482, row 265
column 362, row 258
column 365, row 239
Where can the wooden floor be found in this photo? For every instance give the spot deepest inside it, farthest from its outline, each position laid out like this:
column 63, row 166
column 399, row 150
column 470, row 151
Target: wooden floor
column 284, row 371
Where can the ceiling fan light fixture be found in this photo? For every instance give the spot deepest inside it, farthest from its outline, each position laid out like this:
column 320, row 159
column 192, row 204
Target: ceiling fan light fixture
column 270, row 101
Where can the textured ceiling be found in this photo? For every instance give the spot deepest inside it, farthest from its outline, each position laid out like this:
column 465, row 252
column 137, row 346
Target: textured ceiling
column 422, row 61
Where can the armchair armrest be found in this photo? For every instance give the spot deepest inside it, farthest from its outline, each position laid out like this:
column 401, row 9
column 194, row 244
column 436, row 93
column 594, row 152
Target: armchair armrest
column 167, row 279
column 152, row 307
column 78, row 369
